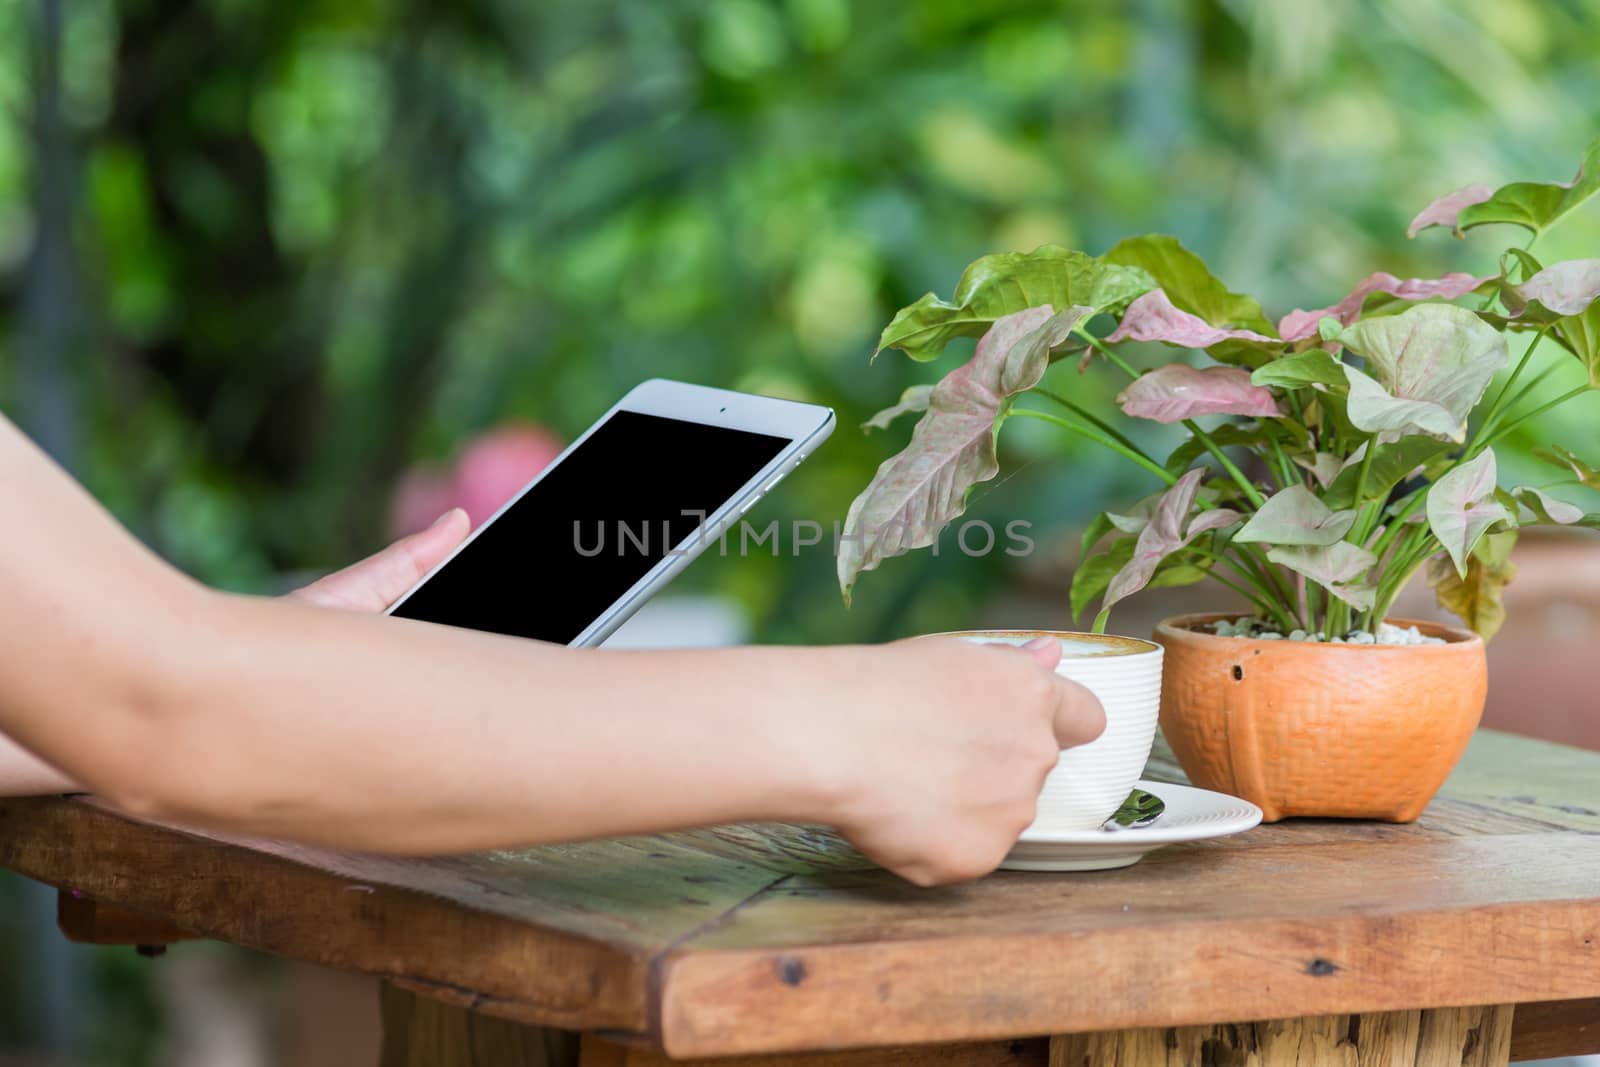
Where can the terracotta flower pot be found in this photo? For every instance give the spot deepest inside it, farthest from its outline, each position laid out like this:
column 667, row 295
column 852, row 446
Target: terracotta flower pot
column 1353, row 731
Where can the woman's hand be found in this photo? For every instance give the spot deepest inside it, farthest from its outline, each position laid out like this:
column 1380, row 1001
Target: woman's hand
column 379, row 580
column 275, row 717
column 944, row 747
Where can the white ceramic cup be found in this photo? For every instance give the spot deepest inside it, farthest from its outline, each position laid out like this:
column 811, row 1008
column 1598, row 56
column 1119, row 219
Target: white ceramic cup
column 1091, row 781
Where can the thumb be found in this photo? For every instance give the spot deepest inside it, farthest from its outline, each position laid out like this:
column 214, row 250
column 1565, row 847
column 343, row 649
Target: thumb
column 377, row 581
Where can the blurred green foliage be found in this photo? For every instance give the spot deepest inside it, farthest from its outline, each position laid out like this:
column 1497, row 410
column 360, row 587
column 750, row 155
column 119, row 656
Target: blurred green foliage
column 258, row 257
column 296, row 246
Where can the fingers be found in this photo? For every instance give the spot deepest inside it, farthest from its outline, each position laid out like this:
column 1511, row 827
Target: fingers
column 1079, row 717
column 377, row 581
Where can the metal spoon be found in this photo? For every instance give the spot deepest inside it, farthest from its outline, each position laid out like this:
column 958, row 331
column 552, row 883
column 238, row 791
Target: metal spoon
column 1140, row 809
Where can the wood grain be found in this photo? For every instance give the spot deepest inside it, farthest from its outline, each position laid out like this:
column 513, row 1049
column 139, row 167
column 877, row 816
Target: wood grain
column 91, row 922
column 756, row 939
column 1552, row 1029
column 1033, row 1052
column 1445, row 1037
column 261, row 900
column 418, row 1032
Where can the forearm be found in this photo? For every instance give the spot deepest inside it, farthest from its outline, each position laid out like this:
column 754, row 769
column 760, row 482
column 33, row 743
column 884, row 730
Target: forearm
column 370, row 732
column 360, row 730
column 22, row 774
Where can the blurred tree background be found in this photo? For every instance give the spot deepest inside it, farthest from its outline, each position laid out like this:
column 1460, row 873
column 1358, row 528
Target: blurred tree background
column 258, row 258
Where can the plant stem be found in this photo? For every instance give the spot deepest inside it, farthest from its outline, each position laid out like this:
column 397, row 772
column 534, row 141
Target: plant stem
column 1402, row 574
column 1270, row 603
column 1480, row 440
column 1286, row 474
column 1398, row 527
column 1105, row 350
column 1369, row 515
column 1314, row 600
column 1522, row 420
column 1267, row 577
column 1083, row 431
column 1250, row 491
column 1264, row 598
column 1261, row 603
column 1094, row 420
column 1505, row 390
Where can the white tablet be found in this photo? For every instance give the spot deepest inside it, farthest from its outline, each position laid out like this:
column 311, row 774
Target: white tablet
column 627, row 506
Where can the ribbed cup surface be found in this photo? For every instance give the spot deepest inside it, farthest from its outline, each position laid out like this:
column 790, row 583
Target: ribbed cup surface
column 1091, row 781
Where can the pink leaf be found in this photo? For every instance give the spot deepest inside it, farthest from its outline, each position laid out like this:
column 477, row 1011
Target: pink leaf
column 1443, row 211
column 915, row 493
column 1215, row 519
column 1563, row 289
column 1178, row 391
column 1298, row 325
column 1152, row 317
column 1158, row 540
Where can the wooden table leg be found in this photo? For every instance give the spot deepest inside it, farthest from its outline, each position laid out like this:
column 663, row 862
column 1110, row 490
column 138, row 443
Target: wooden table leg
column 1443, row 1037
column 1029, row 1052
column 421, row 1032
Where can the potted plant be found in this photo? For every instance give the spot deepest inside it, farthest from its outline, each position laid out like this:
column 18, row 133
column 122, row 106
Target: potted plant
column 1355, row 447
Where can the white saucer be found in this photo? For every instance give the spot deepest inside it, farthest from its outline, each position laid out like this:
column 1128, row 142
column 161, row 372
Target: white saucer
column 1192, row 815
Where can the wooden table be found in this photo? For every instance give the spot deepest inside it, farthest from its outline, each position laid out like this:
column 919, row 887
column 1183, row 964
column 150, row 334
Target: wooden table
column 1467, row 937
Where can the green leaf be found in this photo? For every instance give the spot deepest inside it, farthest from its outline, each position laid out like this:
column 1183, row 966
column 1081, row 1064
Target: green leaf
column 1462, row 507
column 1006, row 283
column 1536, row 205
column 1228, row 435
column 1175, row 573
column 1526, row 264
column 1586, row 473
column 915, row 493
column 1391, row 463
column 913, row 400
column 1189, row 283
column 1513, row 508
column 1581, row 333
column 1477, row 596
column 1089, row 581
column 1314, row 366
column 1098, row 527
column 1294, row 516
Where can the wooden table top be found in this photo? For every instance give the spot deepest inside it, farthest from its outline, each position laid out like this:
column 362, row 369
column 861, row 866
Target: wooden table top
column 771, row 938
